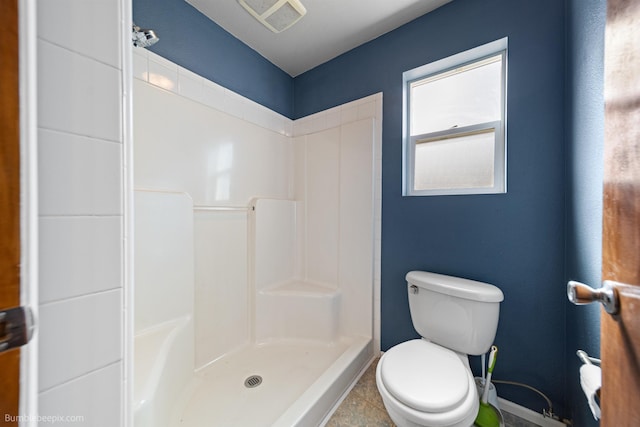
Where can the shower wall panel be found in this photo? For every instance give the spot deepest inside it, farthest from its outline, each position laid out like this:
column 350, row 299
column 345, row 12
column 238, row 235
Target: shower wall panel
column 322, row 196
column 275, row 242
column 355, row 250
column 222, row 321
column 194, row 136
column 164, row 258
column 335, row 181
column 164, row 302
column 218, row 159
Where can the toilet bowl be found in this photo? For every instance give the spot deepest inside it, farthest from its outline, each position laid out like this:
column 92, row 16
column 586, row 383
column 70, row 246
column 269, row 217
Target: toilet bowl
column 428, row 382
column 423, row 384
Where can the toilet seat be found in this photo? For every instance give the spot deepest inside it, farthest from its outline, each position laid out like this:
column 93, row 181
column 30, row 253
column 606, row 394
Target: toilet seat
column 408, row 357
column 425, row 376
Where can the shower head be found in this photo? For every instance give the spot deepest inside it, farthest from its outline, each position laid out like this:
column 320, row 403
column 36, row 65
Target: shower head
column 142, row 37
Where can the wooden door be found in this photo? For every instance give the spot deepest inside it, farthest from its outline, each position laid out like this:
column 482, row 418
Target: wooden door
column 9, row 200
column 620, row 334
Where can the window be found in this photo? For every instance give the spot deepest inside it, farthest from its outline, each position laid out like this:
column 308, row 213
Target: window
column 455, row 124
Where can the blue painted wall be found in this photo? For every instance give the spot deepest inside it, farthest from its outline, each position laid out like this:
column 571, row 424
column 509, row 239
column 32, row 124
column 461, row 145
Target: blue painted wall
column 584, row 141
column 545, row 230
column 514, row 240
column 192, row 40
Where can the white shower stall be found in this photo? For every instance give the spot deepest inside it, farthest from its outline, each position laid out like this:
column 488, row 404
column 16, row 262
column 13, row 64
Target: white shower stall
column 256, row 253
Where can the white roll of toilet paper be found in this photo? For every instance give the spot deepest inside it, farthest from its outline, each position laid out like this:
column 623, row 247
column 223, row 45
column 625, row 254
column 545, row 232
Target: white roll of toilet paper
column 591, row 381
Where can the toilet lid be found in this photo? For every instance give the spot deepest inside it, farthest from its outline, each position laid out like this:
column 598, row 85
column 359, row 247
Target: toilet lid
column 425, row 376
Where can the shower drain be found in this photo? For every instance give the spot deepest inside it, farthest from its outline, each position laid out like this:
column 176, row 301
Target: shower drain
column 253, row 381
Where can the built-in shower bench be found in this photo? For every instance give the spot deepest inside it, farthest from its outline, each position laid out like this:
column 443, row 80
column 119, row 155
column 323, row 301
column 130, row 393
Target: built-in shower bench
column 298, row 309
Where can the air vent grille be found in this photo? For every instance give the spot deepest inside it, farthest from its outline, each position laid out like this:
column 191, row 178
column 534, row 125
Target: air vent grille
column 276, row 15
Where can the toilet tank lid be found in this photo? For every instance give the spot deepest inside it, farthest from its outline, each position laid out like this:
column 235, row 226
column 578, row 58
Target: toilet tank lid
column 455, row 286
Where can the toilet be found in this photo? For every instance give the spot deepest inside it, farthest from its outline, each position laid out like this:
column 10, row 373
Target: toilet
column 428, row 381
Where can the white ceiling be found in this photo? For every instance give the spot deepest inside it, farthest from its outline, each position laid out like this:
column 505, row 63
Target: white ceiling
column 330, row 27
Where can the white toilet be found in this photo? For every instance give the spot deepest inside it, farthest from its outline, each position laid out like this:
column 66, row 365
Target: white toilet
column 428, row 381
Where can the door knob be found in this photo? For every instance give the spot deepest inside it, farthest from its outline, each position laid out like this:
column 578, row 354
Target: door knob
column 580, row 294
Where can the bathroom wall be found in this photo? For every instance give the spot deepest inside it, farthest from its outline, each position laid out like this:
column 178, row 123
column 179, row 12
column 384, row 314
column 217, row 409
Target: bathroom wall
column 192, row 40
column 584, row 142
column 80, row 149
column 513, row 240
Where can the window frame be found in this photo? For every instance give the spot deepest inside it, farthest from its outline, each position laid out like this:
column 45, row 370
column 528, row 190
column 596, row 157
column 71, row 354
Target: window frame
column 460, row 60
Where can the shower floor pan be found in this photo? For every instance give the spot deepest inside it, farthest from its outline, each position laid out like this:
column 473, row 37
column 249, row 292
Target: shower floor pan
column 300, row 382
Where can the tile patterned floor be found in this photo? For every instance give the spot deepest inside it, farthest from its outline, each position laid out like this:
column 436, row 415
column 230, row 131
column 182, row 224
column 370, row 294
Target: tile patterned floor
column 511, row 420
column 363, row 407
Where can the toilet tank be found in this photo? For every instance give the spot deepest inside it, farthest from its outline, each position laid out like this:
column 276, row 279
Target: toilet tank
column 456, row 313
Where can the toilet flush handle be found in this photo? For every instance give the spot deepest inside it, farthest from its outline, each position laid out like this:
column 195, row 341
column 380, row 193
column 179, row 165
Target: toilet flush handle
column 414, row 289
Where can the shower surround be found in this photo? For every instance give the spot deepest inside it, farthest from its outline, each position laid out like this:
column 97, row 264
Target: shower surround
column 257, row 253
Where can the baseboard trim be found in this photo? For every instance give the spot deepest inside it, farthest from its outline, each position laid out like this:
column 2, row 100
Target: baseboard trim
column 528, row 414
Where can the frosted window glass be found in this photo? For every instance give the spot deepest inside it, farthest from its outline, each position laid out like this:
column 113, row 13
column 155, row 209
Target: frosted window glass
column 455, row 128
column 458, row 98
column 460, row 162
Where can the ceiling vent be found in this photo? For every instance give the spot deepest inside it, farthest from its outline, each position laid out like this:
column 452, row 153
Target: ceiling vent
column 276, row 15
